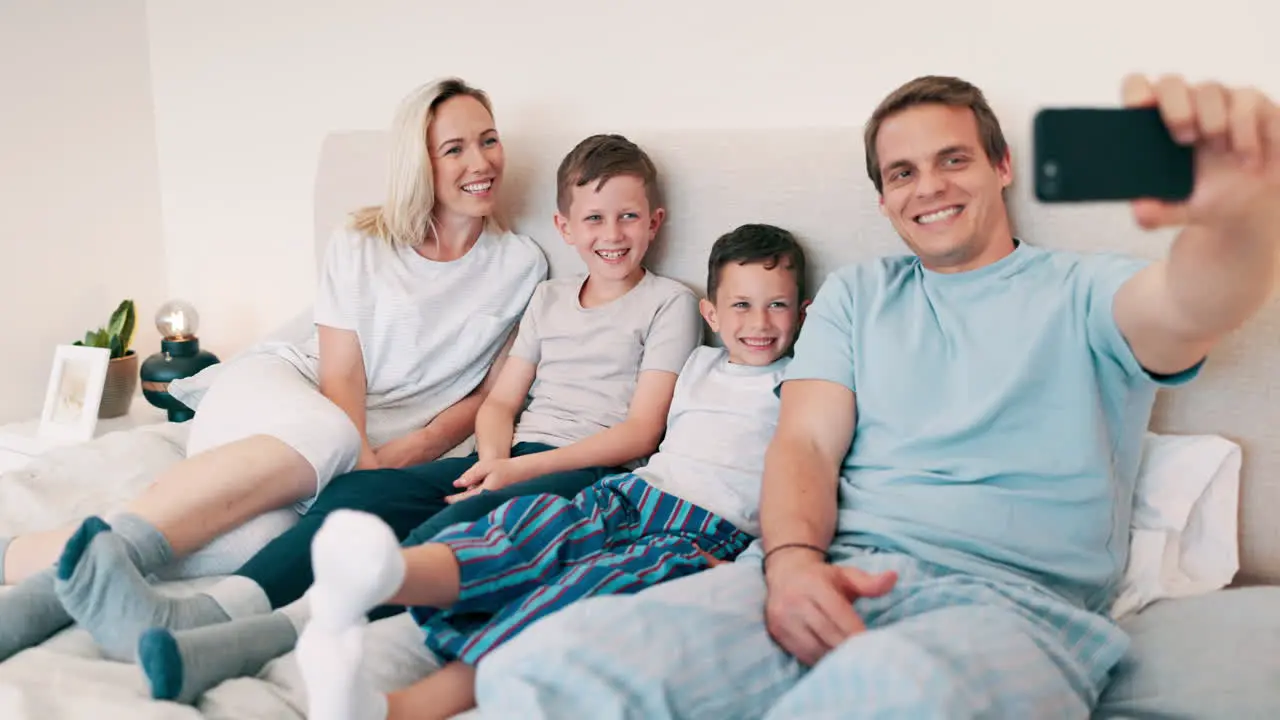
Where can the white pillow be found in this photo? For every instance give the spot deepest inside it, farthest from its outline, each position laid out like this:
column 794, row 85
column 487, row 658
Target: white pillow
column 1185, row 525
column 190, row 390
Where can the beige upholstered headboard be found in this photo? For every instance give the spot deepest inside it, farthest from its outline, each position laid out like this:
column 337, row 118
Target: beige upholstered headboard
column 812, row 181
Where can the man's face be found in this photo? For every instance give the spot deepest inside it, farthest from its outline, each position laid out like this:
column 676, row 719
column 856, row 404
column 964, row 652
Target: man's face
column 940, row 191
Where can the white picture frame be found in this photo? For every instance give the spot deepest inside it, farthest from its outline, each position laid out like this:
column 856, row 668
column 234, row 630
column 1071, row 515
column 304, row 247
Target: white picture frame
column 74, row 394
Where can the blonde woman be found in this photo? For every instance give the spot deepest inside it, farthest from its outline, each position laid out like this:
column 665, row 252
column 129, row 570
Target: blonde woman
column 416, row 300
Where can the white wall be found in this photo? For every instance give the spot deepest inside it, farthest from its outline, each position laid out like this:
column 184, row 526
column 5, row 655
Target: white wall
column 79, row 201
column 246, row 91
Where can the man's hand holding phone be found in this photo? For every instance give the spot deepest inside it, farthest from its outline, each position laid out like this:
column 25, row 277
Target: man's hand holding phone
column 1235, row 135
column 1183, row 154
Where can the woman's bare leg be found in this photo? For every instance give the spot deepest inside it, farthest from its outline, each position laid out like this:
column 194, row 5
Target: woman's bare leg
column 218, row 490
column 194, row 501
column 28, row 554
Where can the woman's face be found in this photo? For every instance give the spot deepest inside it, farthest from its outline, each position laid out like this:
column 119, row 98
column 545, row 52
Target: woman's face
column 466, row 158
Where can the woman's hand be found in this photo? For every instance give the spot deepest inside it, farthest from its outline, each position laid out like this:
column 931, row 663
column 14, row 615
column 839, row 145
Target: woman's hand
column 368, row 458
column 401, row 452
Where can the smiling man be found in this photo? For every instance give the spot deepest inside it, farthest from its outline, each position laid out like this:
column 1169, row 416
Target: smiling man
column 946, row 501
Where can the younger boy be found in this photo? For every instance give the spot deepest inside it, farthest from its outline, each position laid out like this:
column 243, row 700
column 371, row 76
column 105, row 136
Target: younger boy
column 476, row 585
column 596, row 358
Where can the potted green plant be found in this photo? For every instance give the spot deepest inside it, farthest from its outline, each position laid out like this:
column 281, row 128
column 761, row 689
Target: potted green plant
column 122, row 373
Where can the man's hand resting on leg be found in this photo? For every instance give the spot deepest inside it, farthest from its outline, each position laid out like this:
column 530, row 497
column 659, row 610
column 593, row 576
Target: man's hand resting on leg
column 809, row 607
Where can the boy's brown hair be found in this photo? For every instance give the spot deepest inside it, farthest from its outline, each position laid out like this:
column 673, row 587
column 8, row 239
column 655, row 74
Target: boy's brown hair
column 598, row 159
column 934, row 90
column 762, row 243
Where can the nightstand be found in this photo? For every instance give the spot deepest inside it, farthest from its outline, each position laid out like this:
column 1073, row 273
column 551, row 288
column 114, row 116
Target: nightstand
column 20, row 441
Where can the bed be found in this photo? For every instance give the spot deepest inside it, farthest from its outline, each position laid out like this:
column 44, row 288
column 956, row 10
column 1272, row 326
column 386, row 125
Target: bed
column 1212, row 471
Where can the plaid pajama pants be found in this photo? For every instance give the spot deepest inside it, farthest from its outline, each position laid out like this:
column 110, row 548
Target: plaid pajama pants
column 539, row 553
column 940, row 645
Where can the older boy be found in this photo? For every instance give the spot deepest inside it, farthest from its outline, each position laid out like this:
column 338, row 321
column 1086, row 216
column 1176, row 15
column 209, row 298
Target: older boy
column 596, row 355
column 947, row 545
column 477, row 585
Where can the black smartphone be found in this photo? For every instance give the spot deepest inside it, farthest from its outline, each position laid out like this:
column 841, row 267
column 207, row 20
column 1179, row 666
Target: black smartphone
column 1096, row 154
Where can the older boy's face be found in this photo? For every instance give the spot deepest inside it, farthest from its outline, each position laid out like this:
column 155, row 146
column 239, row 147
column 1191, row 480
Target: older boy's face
column 612, row 228
column 756, row 312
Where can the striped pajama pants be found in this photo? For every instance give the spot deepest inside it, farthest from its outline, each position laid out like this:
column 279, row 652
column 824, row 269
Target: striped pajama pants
column 539, row 553
column 939, row 645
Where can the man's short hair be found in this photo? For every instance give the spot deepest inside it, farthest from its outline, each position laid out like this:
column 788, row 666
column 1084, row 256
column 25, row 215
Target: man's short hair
column 934, row 90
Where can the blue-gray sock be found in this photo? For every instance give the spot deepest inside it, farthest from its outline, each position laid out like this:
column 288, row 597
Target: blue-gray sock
column 183, row 665
column 148, row 548
column 30, row 613
column 101, row 587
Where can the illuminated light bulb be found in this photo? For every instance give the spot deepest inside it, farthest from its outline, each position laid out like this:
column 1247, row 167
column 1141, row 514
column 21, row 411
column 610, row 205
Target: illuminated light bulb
column 177, row 320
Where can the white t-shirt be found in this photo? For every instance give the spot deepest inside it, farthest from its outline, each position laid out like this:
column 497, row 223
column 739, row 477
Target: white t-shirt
column 722, row 418
column 590, row 359
column 429, row 331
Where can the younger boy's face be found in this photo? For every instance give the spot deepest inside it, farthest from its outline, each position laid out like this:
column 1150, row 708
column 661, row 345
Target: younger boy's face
column 611, row 229
column 756, row 311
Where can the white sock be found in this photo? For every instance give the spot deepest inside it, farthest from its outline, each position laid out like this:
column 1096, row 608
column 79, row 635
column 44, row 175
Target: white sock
column 330, row 662
column 298, row 612
column 358, row 565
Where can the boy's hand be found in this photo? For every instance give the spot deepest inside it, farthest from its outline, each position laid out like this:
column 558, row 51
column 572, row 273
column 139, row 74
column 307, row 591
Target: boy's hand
column 809, row 606
column 490, row 475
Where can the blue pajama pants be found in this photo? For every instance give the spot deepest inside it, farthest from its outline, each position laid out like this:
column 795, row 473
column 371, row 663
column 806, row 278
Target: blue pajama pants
column 939, row 645
column 539, row 553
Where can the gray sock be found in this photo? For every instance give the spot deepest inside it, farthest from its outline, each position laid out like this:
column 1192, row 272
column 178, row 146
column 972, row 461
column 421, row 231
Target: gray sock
column 30, row 613
column 183, row 665
column 148, row 547
column 102, row 589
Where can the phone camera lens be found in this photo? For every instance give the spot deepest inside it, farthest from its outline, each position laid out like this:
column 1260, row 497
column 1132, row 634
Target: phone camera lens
column 1051, row 169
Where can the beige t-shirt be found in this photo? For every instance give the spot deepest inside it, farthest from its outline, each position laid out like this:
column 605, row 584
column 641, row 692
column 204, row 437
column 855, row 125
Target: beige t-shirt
column 589, row 359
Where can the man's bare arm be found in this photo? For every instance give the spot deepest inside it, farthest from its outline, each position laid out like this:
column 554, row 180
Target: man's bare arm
column 1223, row 264
column 802, row 465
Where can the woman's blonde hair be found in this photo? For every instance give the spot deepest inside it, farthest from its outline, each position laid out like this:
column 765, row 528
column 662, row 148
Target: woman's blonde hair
column 405, row 217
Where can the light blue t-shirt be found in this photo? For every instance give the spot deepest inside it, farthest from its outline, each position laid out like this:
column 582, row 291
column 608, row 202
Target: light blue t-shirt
column 1000, row 414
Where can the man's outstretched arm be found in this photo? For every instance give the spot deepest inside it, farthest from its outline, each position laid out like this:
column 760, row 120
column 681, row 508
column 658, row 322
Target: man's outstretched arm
column 1223, row 264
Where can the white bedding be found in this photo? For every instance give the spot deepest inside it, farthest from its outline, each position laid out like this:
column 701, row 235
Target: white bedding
column 66, row 677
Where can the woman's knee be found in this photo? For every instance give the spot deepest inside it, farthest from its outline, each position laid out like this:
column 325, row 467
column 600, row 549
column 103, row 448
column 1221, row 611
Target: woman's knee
column 332, row 445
